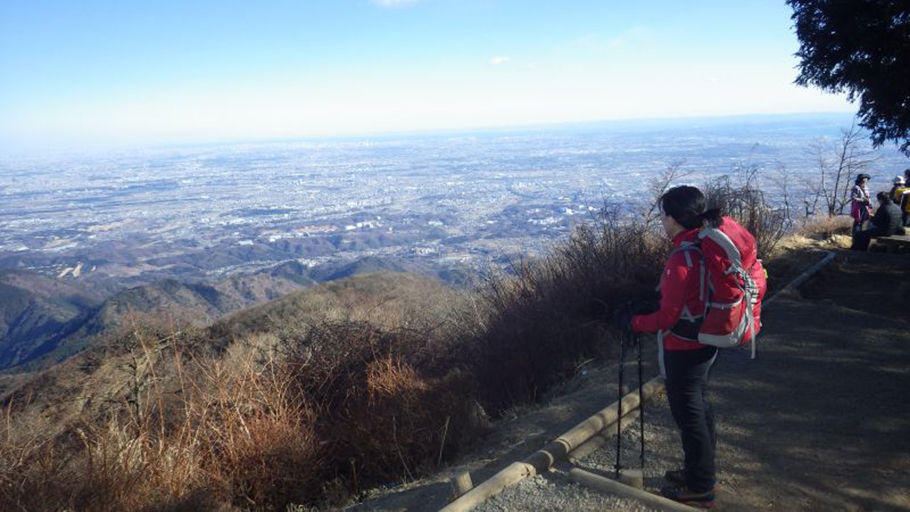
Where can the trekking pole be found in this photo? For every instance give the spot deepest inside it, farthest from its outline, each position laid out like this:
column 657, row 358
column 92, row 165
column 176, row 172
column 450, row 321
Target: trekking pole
column 622, row 350
column 641, row 405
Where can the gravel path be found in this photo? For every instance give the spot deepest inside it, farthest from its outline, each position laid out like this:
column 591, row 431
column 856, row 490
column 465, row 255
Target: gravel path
column 554, row 492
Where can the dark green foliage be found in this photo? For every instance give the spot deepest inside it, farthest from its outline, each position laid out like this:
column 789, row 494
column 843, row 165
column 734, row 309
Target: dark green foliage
column 861, row 47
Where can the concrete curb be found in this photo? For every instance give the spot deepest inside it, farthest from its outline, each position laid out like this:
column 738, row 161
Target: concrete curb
column 601, row 438
column 558, row 450
column 612, row 486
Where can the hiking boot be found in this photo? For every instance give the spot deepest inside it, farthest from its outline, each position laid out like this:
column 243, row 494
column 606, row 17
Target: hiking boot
column 678, row 477
column 683, row 494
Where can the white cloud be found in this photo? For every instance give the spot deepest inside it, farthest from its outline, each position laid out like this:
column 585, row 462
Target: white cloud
column 628, row 40
column 394, row 3
column 497, row 61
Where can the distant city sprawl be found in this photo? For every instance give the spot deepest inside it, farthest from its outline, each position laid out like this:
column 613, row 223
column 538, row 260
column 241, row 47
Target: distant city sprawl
column 445, row 201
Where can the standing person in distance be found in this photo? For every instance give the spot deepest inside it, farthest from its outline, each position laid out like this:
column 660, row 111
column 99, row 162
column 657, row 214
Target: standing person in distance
column 860, row 202
column 897, row 189
column 904, row 203
column 900, row 193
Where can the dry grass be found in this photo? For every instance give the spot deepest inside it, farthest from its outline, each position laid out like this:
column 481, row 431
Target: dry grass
column 229, row 437
column 832, row 230
column 806, row 245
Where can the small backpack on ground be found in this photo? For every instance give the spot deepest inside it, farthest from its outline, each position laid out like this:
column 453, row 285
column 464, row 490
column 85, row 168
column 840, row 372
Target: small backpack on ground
column 732, row 284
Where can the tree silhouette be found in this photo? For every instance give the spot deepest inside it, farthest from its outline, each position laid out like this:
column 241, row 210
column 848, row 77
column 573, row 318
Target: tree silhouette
column 861, row 47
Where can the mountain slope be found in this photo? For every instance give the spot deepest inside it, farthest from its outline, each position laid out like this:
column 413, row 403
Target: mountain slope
column 169, row 302
column 35, row 310
column 44, row 320
column 85, row 385
column 361, row 298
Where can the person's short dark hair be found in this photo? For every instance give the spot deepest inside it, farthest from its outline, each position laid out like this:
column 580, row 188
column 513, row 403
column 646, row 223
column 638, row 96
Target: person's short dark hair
column 883, row 197
column 686, row 204
column 859, row 177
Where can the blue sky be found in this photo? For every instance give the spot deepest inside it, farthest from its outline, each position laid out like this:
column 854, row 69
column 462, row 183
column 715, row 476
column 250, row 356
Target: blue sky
column 75, row 74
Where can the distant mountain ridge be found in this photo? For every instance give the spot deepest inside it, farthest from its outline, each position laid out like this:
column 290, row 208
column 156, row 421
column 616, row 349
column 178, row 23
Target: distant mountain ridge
column 35, row 310
column 44, row 320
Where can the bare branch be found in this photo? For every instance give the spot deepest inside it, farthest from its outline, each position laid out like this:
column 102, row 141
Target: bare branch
column 659, row 185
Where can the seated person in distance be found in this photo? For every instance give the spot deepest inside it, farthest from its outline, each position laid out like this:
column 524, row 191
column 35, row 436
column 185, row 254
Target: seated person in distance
column 886, row 222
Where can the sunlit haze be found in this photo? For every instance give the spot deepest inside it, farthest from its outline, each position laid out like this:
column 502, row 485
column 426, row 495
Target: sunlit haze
column 98, row 74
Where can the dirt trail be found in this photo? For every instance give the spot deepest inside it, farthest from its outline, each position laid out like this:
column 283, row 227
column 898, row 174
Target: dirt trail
column 819, row 422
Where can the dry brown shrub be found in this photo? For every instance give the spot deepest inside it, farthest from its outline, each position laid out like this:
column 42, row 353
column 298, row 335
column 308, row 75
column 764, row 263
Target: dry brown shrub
column 394, row 423
column 389, row 377
column 30, row 469
column 263, row 460
column 110, row 469
column 381, row 418
column 825, row 228
column 227, row 437
column 747, row 203
column 553, row 312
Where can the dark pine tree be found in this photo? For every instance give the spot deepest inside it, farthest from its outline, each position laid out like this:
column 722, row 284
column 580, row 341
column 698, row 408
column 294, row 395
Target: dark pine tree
column 861, row 47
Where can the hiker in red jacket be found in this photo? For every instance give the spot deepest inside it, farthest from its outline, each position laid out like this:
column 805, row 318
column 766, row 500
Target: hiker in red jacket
column 685, row 363
column 711, row 292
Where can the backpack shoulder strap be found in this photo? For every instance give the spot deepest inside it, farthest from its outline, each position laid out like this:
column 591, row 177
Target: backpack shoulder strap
column 687, row 248
column 721, row 239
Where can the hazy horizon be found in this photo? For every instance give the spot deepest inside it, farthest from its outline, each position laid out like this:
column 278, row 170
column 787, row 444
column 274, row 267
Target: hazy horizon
column 114, row 75
column 88, row 151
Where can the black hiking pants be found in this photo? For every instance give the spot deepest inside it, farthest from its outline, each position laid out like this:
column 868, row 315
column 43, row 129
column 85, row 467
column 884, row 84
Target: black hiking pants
column 687, row 379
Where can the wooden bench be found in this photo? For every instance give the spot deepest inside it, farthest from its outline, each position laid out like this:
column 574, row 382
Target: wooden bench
column 893, row 243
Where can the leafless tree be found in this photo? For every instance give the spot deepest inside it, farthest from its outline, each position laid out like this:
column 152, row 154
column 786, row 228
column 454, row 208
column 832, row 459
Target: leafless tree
column 786, row 193
column 837, row 164
column 792, row 196
column 746, row 202
column 658, row 185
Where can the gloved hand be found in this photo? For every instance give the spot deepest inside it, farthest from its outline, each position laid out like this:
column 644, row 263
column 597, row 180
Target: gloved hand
column 622, row 317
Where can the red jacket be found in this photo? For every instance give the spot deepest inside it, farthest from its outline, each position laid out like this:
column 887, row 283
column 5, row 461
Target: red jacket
column 679, row 287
